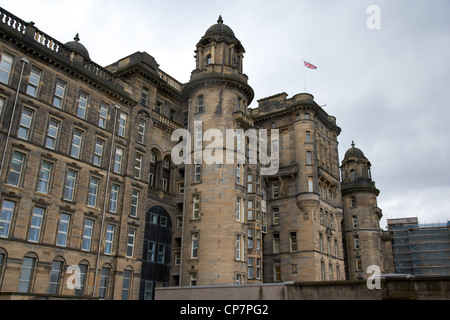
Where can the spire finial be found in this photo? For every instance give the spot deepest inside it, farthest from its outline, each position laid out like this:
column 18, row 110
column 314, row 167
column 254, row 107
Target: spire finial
column 220, row 19
column 353, row 144
column 77, row 38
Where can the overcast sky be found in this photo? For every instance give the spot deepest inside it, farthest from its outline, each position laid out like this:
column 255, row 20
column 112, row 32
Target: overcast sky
column 389, row 88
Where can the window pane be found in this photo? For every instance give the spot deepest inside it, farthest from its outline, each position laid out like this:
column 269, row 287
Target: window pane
column 5, row 67
column 87, row 235
column 118, row 160
column 93, row 189
column 308, row 157
column 103, row 115
column 82, row 105
column 114, row 198
column 148, row 291
column 109, row 239
column 44, row 177
column 59, row 94
column 5, row 217
column 98, row 152
column 25, row 124
column 134, row 202
column 122, row 124
column 161, row 252
column 138, row 166
column 126, row 284
column 196, row 207
column 69, row 186
column 25, row 275
column 63, row 230
column 36, row 223
column 130, row 242
column 55, row 277
column 151, row 251
column 76, row 143
column 16, row 169
column 33, row 83
column 52, row 134
column 103, row 283
column 83, row 272
column 141, row 131
column 144, row 97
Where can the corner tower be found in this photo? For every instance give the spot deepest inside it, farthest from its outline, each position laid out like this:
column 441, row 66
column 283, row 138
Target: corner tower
column 215, row 227
column 362, row 233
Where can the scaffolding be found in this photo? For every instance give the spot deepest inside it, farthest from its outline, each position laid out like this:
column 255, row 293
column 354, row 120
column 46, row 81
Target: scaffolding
column 421, row 250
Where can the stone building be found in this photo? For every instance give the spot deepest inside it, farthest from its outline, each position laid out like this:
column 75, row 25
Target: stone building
column 215, row 224
column 364, row 241
column 89, row 189
column 86, row 174
column 304, row 238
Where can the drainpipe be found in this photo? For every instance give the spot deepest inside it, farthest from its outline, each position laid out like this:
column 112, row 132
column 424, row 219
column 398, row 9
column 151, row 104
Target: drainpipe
column 184, row 204
column 117, row 108
column 24, row 60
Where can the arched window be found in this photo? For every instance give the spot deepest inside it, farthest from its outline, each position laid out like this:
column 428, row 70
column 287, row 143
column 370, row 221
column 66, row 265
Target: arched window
column 352, row 174
column 104, row 281
column 84, row 269
column 152, row 157
column 208, row 59
column 127, row 283
column 57, row 270
column 27, row 273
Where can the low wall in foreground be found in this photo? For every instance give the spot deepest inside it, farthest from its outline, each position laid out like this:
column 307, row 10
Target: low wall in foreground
column 412, row 289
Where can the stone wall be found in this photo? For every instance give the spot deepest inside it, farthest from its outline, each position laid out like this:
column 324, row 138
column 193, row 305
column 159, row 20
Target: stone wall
column 410, row 289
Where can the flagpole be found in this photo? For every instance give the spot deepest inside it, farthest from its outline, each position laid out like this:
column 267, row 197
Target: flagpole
column 304, row 76
column 310, row 66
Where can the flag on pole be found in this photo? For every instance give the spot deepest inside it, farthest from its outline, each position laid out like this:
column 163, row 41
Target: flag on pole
column 309, row 65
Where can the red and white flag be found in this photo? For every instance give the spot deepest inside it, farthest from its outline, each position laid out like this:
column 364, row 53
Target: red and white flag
column 309, row 65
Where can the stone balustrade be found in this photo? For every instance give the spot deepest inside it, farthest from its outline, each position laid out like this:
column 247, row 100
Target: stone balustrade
column 170, row 81
column 168, row 123
column 30, row 32
column 12, row 21
column 241, row 116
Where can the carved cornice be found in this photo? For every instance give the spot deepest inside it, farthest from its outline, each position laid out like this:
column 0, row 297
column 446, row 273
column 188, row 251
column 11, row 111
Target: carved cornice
column 307, row 204
column 211, row 78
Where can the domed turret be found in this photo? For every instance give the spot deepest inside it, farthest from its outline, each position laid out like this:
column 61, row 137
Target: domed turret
column 77, row 47
column 219, row 57
column 220, row 32
column 361, row 214
column 356, row 172
column 354, row 153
